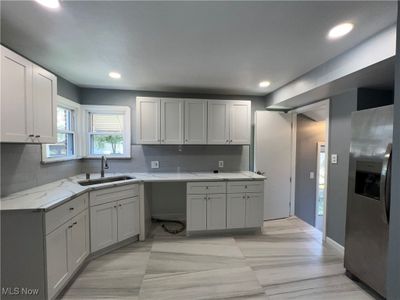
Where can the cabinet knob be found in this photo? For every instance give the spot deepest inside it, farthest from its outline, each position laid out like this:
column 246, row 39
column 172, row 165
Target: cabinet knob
column 71, row 208
column 230, row 141
column 227, row 141
column 37, row 136
column 120, row 205
column 115, row 206
column 75, row 223
column 31, row 135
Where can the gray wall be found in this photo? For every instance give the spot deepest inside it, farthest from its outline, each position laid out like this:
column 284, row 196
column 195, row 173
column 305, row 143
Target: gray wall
column 393, row 275
column 20, row 163
column 341, row 107
column 309, row 133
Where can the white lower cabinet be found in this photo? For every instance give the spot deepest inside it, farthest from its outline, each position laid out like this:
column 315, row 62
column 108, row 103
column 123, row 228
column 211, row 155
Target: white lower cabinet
column 196, row 212
column 233, row 205
column 66, row 248
column 236, row 211
column 116, row 218
column 216, row 211
column 103, row 225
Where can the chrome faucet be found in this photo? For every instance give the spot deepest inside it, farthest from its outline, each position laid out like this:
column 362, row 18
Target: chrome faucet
column 104, row 165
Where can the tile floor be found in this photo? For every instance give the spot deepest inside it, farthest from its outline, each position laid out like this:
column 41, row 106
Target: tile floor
column 285, row 261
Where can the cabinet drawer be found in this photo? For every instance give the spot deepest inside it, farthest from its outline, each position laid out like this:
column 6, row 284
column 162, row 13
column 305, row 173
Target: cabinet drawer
column 245, row 187
column 63, row 213
column 113, row 194
column 216, row 187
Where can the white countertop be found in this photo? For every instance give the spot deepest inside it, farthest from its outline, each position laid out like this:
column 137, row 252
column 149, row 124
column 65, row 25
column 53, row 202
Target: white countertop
column 50, row 195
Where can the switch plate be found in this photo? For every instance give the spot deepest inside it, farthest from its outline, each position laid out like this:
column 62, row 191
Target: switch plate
column 312, row 175
column 221, row 164
column 155, row 164
column 334, row 159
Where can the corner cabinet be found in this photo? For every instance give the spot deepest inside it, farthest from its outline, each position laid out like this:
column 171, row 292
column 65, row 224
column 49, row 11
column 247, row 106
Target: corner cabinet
column 28, row 101
column 173, row 121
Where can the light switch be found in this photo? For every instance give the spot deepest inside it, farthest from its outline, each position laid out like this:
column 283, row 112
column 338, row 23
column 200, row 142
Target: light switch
column 312, row 175
column 155, row 164
column 334, row 159
column 221, row 164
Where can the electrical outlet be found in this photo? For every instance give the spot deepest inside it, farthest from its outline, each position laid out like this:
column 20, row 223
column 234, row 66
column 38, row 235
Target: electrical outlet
column 221, row 164
column 155, row 164
column 334, row 159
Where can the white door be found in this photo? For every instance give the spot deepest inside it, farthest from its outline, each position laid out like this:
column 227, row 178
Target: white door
column 236, row 211
column 196, row 212
column 148, row 120
column 16, row 98
column 103, row 225
column 216, row 211
column 172, row 121
column 128, row 218
column 254, row 210
column 240, row 122
column 195, row 122
column 218, row 122
column 57, row 259
column 273, row 140
column 44, row 90
column 78, row 246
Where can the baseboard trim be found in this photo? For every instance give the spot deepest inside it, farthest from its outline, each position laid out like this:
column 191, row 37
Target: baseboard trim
column 335, row 245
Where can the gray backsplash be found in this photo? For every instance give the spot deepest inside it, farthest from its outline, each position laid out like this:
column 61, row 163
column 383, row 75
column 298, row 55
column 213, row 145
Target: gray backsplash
column 177, row 159
column 21, row 168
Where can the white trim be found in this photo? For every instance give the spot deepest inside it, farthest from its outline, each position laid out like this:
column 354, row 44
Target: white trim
column 327, row 151
column 108, row 109
column 335, row 245
column 76, row 107
column 293, row 164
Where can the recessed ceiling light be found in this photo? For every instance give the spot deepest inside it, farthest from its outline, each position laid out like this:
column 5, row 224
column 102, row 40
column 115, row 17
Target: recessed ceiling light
column 114, row 75
column 49, row 3
column 340, row 30
column 264, row 84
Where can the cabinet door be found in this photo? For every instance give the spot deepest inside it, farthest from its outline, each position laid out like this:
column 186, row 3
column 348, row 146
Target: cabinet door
column 216, row 211
column 78, row 246
column 172, row 121
column 148, row 120
column 57, row 259
column 254, row 210
column 196, row 217
column 44, row 91
column 128, row 218
column 195, row 122
column 103, row 225
column 240, row 122
column 236, row 211
column 16, row 98
column 218, row 122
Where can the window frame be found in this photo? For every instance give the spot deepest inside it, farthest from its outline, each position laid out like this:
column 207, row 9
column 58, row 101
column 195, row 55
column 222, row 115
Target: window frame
column 76, row 108
column 106, row 109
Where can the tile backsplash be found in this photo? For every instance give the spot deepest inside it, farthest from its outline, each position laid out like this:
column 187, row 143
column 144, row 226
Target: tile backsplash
column 21, row 168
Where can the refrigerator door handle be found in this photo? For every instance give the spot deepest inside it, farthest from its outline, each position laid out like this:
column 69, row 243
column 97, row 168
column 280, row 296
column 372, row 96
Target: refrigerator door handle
column 385, row 181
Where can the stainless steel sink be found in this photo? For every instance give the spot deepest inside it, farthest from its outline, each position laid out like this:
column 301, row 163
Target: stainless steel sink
column 105, row 180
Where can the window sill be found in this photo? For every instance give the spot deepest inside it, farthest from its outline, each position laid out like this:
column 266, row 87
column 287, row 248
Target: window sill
column 56, row 160
column 108, row 157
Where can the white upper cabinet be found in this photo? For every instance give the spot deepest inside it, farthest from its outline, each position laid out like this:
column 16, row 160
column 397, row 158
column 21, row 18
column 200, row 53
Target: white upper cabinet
column 28, row 101
column 218, row 121
column 195, row 122
column 44, row 105
column 172, row 123
column 16, row 98
column 229, row 122
column 148, row 120
column 240, row 122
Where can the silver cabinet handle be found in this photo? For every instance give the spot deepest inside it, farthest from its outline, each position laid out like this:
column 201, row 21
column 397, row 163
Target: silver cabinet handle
column 37, row 136
column 31, row 135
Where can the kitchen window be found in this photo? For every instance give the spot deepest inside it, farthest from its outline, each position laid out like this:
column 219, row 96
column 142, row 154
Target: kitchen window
column 108, row 131
column 66, row 147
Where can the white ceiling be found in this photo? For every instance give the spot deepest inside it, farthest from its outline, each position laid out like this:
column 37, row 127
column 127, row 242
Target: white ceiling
column 197, row 46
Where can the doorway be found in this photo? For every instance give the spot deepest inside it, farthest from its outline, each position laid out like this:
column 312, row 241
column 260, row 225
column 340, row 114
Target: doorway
column 321, row 186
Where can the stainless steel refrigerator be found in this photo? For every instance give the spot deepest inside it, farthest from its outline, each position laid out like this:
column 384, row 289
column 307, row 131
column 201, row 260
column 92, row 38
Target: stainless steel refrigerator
column 368, row 205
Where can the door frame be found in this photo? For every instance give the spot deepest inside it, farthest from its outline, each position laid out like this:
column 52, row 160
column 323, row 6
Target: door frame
column 296, row 112
column 319, row 147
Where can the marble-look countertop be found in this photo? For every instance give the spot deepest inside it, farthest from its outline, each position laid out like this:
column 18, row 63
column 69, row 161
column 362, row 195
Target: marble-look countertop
column 48, row 196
